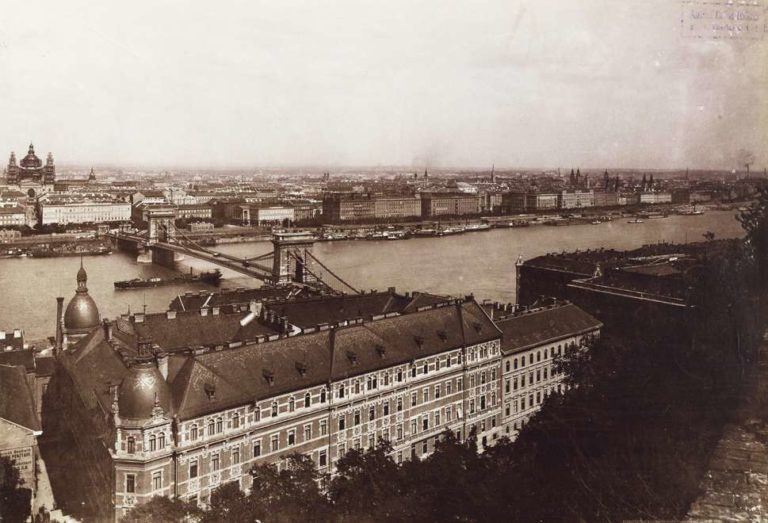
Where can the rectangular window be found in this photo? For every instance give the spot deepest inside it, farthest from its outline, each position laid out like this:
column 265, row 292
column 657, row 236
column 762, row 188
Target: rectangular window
column 413, row 427
column 256, row 449
column 323, row 428
column 437, row 391
column 413, row 399
column 307, row 432
column 291, row 437
column 371, row 413
column 235, row 456
column 437, row 419
column 425, row 423
column 425, row 393
column 342, row 422
column 323, row 458
column 506, row 387
column 193, row 468
column 458, row 384
column 399, row 404
column 400, row 432
column 130, row 483
column 448, row 387
column 448, row 413
column 215, row 462
column 386, row 408
column 274, row 444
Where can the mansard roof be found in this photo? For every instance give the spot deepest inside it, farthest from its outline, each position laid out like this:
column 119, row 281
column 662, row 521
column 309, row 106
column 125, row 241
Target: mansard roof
column 214, row 380
column 530, row 329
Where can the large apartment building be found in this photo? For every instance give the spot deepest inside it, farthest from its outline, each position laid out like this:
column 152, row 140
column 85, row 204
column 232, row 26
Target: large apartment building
column 179, row 403
column 532, row 340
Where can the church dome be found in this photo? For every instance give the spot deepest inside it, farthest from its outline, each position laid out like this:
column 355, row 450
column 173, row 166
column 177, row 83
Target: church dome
column 82, row 314
column 31, row 161
column 141, row 390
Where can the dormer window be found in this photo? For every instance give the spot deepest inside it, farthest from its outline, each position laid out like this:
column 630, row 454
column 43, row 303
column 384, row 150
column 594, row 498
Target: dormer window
column 301, row 368
column 419, row 340
column 210, row 391
column 269, row 376
column 381, row 351
column 442, row 335
column 352, row 357
column 478, row 327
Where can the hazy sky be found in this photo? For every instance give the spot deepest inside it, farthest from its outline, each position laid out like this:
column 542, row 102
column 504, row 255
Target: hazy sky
column 398, row 82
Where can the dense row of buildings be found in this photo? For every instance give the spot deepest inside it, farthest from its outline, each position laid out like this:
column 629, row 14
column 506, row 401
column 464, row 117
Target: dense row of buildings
column 180, row 402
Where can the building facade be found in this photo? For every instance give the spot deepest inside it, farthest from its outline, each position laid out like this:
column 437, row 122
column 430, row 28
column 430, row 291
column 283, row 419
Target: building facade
column 65, row 209
column 532, row 341
column 449, row 204
column 576, row 199
column 385, row 208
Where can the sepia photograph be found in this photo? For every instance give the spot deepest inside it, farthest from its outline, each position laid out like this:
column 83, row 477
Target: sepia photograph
column 358, row 261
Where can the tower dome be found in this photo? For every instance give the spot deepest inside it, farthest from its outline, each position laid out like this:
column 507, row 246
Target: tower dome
column 82, row 314
column 141, row 391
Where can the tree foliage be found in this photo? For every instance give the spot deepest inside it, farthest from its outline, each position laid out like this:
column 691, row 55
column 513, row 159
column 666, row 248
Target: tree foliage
column 14, row 497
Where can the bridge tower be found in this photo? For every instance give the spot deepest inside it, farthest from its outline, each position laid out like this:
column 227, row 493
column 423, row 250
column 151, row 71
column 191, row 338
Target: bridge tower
column 292, row 257
column 161, row 224
column 160, row 221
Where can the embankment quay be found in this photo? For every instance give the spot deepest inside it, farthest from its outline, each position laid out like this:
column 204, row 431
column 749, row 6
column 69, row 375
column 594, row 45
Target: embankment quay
column 457, row 265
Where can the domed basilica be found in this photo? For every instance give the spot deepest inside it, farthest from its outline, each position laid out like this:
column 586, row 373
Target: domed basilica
column 31, row 169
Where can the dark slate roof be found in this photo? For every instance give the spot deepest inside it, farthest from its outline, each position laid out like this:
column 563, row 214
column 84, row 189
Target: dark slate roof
column 17, row 404
column 44, row 366
column 241, row 375
column 25, row 358
column 334, row 309
column 195, row 300
column 189, row 329
column 544, row 325
column 310, row 312
column 261, row 370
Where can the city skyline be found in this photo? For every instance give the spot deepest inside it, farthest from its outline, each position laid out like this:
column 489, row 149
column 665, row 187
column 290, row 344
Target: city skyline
column 438, row 85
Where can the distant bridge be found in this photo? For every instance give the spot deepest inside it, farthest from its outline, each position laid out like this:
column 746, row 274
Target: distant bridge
column 292, row 260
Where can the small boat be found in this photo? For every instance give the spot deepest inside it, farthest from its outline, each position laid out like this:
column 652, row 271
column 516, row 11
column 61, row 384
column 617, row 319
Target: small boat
column 636, row 220
column 596, row 222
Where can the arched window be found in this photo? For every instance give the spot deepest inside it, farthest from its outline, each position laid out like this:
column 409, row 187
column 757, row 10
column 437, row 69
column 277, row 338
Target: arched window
column 307, row 400
column 152, row 443
column 341, row 390
column 322, row 396
column 211, row 428
column 193, row 432
column 236, row 420
column 274, row 409
column 131, row 445
column 161, row 440
column 257, row 413
column 219, row 425
column 291, row 404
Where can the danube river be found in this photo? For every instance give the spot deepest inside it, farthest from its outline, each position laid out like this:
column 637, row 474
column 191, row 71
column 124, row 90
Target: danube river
column 482, row 263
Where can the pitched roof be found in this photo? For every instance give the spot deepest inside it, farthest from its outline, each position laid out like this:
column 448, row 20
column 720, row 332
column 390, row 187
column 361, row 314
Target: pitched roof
column 219, row 379
column 195, row 300
column 309, row 312
column 189, row 329
column 17, row 404
column 544, row 325
column 25, row 358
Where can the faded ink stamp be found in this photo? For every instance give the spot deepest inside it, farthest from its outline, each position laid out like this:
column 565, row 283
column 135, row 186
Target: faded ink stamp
column 726, row 19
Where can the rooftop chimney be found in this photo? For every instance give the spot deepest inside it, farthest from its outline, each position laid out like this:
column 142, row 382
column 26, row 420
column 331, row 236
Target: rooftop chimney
column 59, row 313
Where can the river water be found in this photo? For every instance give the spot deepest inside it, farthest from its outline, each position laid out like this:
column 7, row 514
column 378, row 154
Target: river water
column 482, row 263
